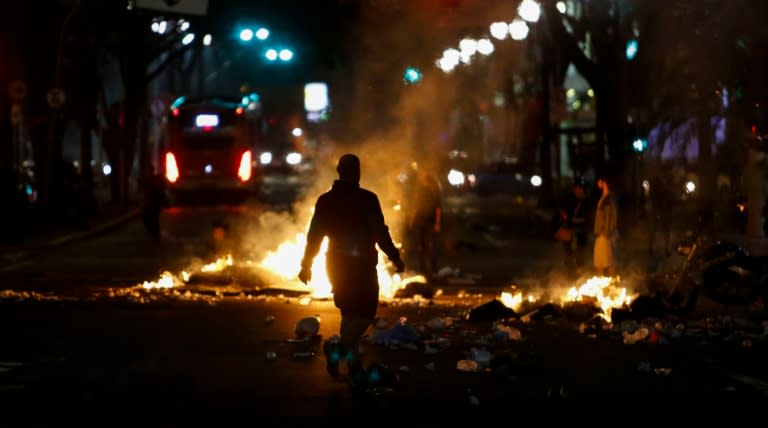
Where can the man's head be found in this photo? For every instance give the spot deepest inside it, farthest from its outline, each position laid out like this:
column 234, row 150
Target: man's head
column 349, row 168
column 578, row 189
column 603, row 185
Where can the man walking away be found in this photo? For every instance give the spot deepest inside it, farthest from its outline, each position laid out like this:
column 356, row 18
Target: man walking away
column 352, row 220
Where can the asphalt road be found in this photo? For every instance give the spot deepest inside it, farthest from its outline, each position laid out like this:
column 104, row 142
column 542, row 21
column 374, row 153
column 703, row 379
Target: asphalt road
column 82, row 340
column 173, row 358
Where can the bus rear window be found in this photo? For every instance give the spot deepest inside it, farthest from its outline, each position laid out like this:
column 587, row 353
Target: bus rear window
column 202, row 118
column 205, row 141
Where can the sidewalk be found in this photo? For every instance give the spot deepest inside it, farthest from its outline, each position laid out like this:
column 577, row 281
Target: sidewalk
column 41, row 237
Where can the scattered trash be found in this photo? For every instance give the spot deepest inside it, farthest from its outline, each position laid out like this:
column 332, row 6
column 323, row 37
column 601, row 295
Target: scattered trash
column 632, row 338
column 402, row 334
column 308, row 326
column 381, row 323
column 438, row 323
column 430, row 366
column 505, row 332
column 581, row 310
column 271, row 355
column 416, row 288
column 493, row 310
column 467, row 365
column 546, row 312
column 303, row 354
column 269, row 319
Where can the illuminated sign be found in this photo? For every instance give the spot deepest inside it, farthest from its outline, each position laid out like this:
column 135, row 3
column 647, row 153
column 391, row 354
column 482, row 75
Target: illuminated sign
column 206, row 120
column 316, row 97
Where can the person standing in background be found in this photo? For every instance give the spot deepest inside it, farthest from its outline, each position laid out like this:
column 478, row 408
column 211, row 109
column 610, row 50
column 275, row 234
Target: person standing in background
column 423, row 219
column 573, row 216
column 606, row 230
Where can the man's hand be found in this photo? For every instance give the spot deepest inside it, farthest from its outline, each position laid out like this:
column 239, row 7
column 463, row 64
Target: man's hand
column 399, row 266
column 305, row 275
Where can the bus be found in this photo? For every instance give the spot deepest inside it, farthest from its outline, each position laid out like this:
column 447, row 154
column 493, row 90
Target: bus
column 209, row 148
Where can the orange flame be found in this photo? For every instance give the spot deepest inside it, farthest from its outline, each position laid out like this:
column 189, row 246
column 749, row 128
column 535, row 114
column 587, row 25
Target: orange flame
column 607, row 296
column 603, row 290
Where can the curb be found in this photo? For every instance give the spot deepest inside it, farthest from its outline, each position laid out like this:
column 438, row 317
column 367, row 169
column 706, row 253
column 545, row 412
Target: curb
column 93, row 231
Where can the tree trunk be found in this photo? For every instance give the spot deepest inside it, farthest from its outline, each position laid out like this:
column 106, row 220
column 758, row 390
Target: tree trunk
column 706, row 171
column 753, row 179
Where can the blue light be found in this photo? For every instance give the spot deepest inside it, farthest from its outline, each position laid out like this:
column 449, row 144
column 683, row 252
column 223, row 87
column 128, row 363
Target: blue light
column 246, row 35
column 262, row 33
column 631, row 50
column 179, row 101
column 639, row 145
column 412, row 75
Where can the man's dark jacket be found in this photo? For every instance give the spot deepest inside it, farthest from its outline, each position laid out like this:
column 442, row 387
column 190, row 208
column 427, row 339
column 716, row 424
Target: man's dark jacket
column 351, row 218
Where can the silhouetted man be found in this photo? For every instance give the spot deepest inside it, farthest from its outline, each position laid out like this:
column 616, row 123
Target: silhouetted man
column 352, row 219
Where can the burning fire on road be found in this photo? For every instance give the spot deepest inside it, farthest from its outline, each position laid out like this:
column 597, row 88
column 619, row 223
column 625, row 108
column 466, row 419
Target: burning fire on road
column 604, row 292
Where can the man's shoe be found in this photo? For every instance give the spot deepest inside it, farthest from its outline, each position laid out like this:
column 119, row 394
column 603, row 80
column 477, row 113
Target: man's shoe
column 356, row 379
column 333, row 352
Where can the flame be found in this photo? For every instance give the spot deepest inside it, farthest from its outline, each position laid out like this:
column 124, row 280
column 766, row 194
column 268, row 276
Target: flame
column 219, row 265
column 602, row 290
column 516, row 301
column 167, row 280
column 285, row 261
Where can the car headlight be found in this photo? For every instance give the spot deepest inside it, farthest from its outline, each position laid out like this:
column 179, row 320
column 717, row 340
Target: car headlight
column 456, row 178
column 265, row 158
column 293, row 158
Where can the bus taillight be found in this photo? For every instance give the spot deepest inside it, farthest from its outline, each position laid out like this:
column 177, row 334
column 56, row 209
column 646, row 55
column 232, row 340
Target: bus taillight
column 171, row 168
column 244, row 171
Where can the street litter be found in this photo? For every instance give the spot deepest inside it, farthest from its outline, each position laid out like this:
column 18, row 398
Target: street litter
column 491, row 311
column 467, row 365
column 308, row 326
column 505, row 332
column 401, row 335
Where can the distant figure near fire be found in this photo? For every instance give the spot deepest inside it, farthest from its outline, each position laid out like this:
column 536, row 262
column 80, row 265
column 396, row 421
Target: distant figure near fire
column 352, row 219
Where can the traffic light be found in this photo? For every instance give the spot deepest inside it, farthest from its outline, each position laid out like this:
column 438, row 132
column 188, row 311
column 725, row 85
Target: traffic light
column 631, row 49
column 412, row 75
column 639, row 145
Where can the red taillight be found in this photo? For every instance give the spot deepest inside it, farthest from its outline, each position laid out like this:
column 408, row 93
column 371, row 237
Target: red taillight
column 175, row 112
column 171, row 168
column 244, row 170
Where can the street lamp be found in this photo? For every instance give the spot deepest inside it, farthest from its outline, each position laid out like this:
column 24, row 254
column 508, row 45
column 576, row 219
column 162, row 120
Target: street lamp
column 485, row 47
column 518, row 29
column 499, row 30
column 246, row 35
column 529, row 10
column 285, row 54
column 262, row 33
